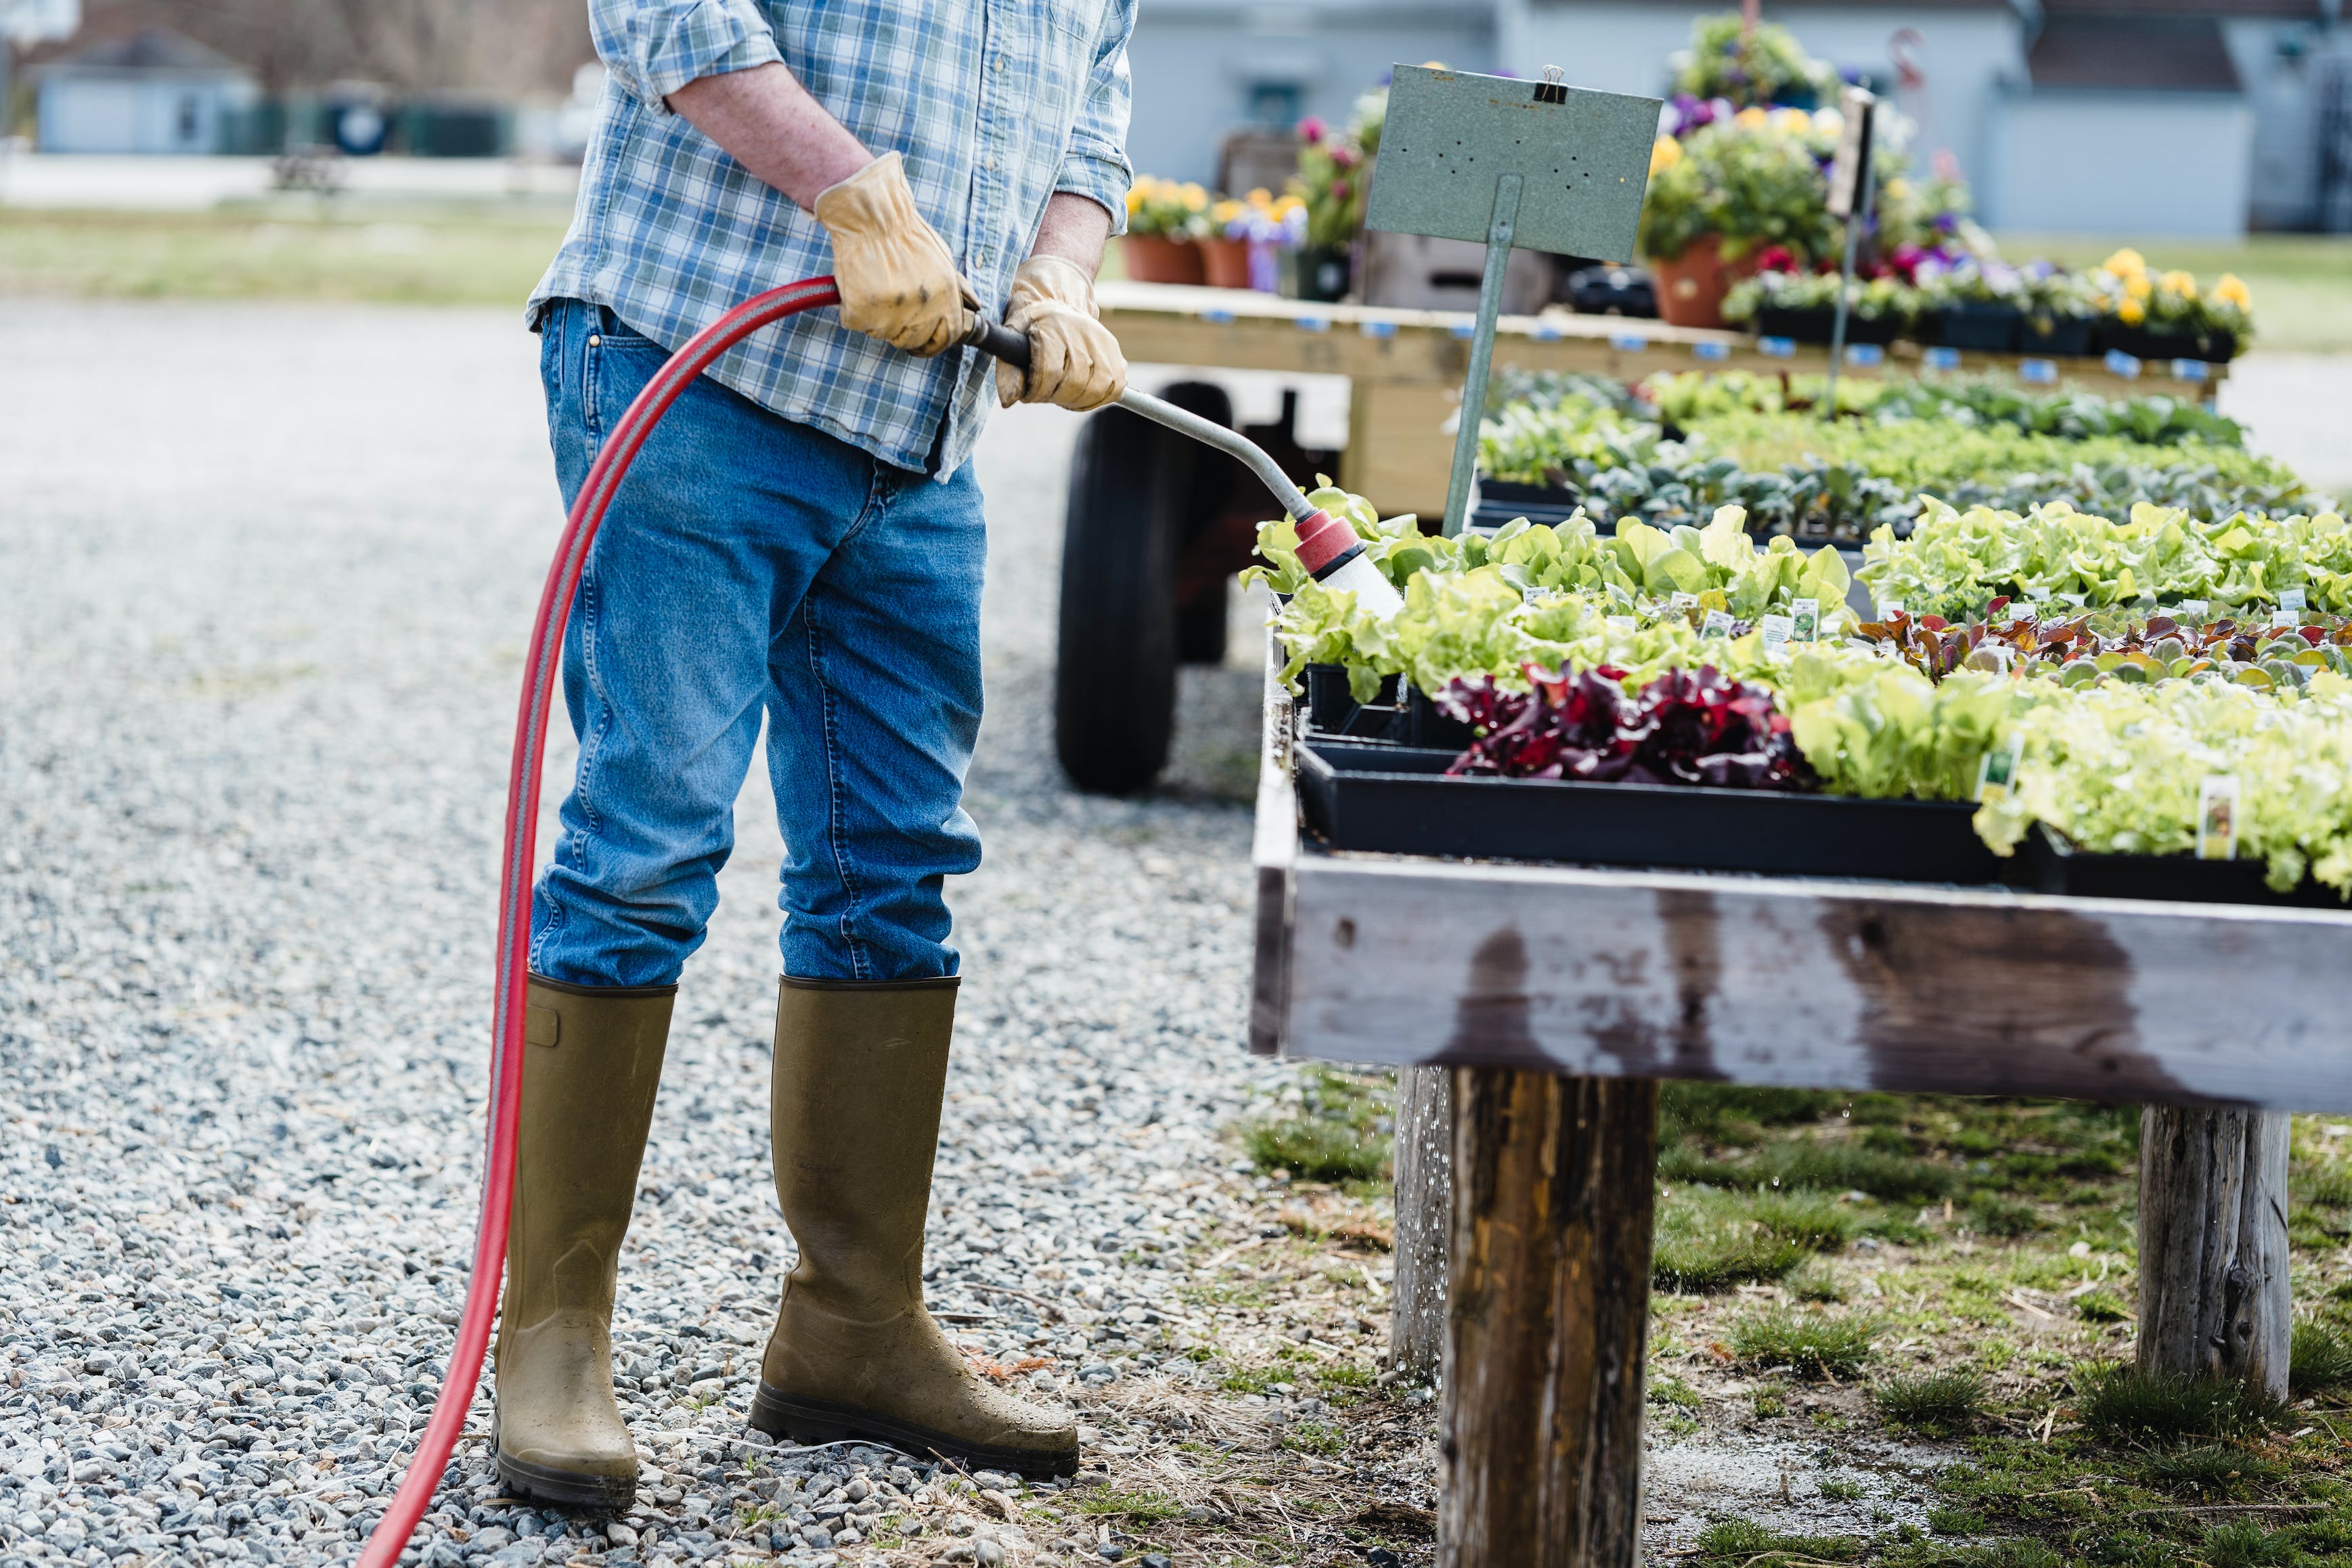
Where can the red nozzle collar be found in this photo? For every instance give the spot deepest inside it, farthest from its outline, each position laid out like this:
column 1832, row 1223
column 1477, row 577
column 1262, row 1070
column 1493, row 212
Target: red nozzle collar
column 1322, row 539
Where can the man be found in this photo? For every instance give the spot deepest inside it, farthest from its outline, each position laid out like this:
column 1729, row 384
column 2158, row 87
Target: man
column 802, row 538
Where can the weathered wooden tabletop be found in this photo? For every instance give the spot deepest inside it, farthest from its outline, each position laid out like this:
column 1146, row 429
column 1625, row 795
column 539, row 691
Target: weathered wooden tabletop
column 1402, row 960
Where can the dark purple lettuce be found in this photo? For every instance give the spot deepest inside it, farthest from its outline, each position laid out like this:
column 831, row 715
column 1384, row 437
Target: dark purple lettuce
column 1686, row 726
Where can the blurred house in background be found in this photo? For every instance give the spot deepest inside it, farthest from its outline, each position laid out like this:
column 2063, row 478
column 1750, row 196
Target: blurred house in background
column 150, row 91
column 1205, row 68
column 2145, row 117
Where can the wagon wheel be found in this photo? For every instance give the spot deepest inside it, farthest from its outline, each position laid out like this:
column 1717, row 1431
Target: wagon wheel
column 1132, row 497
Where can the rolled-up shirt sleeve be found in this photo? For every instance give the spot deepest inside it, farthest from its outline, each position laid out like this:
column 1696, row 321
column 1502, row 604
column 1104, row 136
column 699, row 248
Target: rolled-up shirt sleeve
column 1095, row 166
column 652, row 48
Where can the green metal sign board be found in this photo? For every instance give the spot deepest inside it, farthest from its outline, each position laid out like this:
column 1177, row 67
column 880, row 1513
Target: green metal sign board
column 1509, row 162
column 1583, row 159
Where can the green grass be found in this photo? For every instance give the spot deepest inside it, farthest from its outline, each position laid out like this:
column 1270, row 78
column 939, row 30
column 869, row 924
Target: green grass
column 381, row 252
column 1746, row 1542
column 1931, row 1401
column 2209, row 1467
column 1707, row 1240
column 2318, row 1358
column 1137, row 1506
column 2302, row 284
column 1810, row 1343
column 1342, row 1130
column 2118, row 1401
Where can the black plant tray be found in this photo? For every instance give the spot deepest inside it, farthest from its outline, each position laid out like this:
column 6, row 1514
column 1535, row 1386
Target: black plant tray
column 1397, row 799
column 1332, row 710
column 2047, row 864
column 1504, row 499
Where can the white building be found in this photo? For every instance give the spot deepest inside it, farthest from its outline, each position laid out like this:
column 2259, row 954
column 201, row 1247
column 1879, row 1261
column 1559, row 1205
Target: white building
column 2126, row 117
column 1206, row 66
column 151, row 91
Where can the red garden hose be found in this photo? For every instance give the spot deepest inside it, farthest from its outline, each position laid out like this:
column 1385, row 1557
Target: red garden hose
column 423, row 1478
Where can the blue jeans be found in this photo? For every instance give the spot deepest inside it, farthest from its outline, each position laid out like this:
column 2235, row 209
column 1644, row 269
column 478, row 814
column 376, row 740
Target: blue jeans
column 751, row 565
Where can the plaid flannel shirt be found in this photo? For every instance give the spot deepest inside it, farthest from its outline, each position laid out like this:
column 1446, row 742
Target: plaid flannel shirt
column 995, row 105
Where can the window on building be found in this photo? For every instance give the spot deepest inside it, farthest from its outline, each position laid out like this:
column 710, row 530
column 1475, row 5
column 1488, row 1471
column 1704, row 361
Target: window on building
column 1277, row 103
column 187, row 122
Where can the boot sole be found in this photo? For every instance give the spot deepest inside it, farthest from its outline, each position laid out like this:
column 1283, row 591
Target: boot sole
column 565, row 1489
column 812, row 1421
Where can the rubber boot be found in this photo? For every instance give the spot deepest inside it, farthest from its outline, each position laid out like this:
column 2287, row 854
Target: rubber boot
column 593, row 1059
column 860, row 1070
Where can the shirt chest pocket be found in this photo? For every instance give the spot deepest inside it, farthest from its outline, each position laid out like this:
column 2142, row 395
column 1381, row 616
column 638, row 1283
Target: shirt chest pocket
column 1078, row 20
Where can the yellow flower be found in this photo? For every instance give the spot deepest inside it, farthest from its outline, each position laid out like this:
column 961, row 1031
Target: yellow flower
column 1135, row 196
column 2128, row 263
column 2179, row 282
column 1899, row 190
column 2229, row 290
column 2131, row 312
column 1195, row 198
column 2137, row 286
column 1225, row 212
column 1751, row 118
column 1260, row 198
column 1795, row 121
column 1665, row 153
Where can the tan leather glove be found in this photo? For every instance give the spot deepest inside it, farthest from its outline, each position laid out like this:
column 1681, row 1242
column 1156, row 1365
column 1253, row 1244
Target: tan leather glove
column 897, row 282
column 1073, row 358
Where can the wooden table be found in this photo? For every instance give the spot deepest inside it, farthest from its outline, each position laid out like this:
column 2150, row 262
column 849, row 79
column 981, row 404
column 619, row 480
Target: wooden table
column 1561, row 994
column 1407, row 365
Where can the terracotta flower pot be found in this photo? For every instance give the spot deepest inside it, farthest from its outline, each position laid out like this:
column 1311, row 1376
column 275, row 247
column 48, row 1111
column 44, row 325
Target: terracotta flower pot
column 1225, row 262
column 1155, row 259
column 1691, row 286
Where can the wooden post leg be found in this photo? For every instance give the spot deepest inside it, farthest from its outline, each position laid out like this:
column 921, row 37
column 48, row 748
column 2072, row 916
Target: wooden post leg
column 1541, row 1438
column 1425, row 1219
column 2213, row 1299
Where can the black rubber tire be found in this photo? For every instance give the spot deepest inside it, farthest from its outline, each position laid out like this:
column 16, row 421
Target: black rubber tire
column 1115, row 665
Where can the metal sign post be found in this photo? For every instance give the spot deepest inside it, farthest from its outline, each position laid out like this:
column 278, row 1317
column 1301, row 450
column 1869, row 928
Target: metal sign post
column 1508, row 162
column 1851, row 189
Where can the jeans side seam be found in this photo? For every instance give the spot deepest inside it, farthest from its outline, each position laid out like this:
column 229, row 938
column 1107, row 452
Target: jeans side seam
column 860, row 966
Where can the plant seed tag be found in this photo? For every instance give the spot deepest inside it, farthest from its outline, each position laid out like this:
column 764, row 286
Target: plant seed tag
column 1777, row 630
column 2217, row 818
column 2194, row 607
column 2017, row 612
column 2292, row 599
column 1891, row 609
column 2076, row 600
column 1716, row 624
column 1536, row 594
column 1804, row 620
column 1997, row 769
column 1624, row 624
column 2039, row 595
column 1682, row 604
column 2286, row 618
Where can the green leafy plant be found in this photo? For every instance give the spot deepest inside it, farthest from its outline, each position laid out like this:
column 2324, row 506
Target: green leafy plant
column 1748, row 183
column 1762, row 66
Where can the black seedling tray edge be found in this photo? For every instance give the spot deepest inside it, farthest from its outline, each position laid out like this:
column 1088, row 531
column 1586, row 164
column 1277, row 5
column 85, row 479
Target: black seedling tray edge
column 1398, row 800
column 2047, row 863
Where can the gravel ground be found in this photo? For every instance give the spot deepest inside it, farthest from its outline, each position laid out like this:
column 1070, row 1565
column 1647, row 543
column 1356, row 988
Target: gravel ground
column 264, row 578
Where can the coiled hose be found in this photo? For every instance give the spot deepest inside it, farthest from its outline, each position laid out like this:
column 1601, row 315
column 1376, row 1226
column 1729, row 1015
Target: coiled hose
column 425, row 1466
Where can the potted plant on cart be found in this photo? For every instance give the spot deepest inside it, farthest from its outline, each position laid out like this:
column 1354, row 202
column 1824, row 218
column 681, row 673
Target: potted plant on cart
column 1721, row 197
column 1333, row 179
column 2163, row 316
column 2064, row 311
column 1166, row 219
column 1247, row 237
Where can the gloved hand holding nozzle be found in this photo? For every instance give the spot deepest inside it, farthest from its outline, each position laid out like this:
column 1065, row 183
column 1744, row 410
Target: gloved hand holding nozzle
column 1074, row 360
column 897, row 282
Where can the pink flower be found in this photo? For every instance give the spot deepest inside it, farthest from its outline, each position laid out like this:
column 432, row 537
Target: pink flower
column 1346, row 157
column 1338, row 190
column 1311, row 129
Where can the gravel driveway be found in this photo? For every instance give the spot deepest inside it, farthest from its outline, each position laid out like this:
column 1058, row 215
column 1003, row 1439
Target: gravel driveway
column 264, row 574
